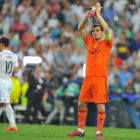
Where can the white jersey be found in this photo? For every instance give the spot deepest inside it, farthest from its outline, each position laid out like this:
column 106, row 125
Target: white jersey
column 8, row 60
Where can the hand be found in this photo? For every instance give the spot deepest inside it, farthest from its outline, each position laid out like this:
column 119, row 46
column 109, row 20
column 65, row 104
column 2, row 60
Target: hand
column 98, row 8
column 91, row 14
column 92, row 2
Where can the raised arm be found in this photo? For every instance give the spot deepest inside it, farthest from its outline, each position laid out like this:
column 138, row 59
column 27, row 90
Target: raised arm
column 102, row 21
column 82, row 24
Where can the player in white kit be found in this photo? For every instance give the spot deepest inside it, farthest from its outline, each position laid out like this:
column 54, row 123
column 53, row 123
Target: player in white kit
column 8, row 66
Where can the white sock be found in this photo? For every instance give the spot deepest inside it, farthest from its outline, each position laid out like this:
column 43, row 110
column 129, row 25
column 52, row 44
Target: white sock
column 98, row 132
column 81, row 130
column 10, row 115
column 1, row 109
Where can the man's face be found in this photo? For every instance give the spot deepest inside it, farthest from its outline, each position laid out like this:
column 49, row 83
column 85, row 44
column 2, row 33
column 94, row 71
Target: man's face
column 38, row 70
column 97, row 33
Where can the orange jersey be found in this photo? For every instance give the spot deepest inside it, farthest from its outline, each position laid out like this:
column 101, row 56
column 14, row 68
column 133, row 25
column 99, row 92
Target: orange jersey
column 98, row 54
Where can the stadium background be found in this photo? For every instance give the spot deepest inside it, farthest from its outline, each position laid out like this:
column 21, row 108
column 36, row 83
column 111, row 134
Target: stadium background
column 48, row 28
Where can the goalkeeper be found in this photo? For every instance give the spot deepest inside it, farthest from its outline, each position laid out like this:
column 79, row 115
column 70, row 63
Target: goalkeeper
column 94, row 88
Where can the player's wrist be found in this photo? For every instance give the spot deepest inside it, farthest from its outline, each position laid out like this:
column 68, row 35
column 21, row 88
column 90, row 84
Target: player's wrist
column 86, row 15
column 98, row 14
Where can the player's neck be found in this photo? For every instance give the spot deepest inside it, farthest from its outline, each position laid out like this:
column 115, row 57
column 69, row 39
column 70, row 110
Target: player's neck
column 97, row 39
column 5, row 48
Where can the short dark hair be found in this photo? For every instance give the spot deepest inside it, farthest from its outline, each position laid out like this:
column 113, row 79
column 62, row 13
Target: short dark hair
column 98, row 25
column 4, row 41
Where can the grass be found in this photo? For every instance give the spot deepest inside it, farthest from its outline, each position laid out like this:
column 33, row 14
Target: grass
column 52, row 132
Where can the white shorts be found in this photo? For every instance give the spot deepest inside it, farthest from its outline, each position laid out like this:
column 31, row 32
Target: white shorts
column 5, row 90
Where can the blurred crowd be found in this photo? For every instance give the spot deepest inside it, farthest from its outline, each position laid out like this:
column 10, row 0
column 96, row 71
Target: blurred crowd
column 48, row 28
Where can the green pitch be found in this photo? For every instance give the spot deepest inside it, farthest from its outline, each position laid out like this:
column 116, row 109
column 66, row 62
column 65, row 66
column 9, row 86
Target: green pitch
column 48, row 132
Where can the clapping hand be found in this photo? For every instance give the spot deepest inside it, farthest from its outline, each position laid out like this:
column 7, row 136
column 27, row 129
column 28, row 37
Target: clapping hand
column 94, row 10
column 98, row 8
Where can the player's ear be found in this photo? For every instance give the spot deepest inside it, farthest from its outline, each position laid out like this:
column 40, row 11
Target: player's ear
column 103, row 33
column 91, row 32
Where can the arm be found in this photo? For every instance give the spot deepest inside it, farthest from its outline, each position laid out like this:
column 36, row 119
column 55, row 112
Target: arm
column 82, row 25
column 16, row 69
column 16, row 65
column 102, row 21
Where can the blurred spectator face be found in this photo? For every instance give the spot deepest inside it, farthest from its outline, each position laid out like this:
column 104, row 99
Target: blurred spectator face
column 129, row 81
column 38, row 70
column 135, row 54
column 137, row 75
column 48, row 75
column 124, row 67
column 137, row 37
column 26, row 3
column 62, row 50
column 97, row 32
column 52, row 1
column 116, row 79
column 78, row 2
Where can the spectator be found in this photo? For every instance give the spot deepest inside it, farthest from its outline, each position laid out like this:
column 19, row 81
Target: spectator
column 34, row 94
column 124, row 75
column 16, row 91
column 115, row 88
column 59, row 106
column 136, row 82
column 135, row 42
column 112, row 13
column 129, row 88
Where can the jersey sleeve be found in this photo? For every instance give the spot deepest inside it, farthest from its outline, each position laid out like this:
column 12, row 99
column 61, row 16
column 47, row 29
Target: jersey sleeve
column 87, row 39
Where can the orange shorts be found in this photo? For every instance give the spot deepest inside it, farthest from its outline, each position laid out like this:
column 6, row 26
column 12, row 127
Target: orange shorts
column 94, row 89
